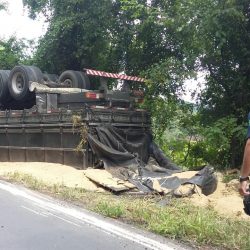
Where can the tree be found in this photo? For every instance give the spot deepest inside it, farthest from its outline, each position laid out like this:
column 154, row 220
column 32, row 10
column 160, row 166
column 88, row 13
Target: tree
column 78, row 35
column 113, row 35
column 12, row 52
column 215, row 36
column 225, row 33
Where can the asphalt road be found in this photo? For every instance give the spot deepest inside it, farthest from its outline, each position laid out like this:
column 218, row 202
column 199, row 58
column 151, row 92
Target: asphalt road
column 30, row 221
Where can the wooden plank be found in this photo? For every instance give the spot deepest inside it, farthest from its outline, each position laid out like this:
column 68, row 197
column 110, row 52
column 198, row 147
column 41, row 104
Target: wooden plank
column 105, row 179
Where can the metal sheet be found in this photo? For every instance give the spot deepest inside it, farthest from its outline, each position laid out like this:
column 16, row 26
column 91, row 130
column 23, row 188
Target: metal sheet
column 17, row 154
column 35, row 155
column 75, row 159
column 4, row 155
column 54, row 156
column 52, row 140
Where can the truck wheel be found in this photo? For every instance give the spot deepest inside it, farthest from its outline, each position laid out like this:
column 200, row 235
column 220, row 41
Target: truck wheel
column 85, row 79
column 74, row 79
column 4, row 90
column 19, row 79
column 50, row 77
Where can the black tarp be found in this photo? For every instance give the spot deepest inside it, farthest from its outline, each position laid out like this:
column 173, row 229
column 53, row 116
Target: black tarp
column 131, row 154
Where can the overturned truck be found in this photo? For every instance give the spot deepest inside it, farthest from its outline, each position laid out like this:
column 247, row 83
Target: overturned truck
column 42, row 116
column 68, row 120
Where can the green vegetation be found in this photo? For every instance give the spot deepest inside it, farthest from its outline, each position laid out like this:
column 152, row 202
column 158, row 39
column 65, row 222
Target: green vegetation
column 109, row 210
column 190, row 144
column 13, row 52
column 228, row 177
column 36, row 184
column 201, row 226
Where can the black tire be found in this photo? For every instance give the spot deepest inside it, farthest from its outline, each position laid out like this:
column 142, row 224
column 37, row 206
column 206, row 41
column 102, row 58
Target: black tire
column 50, row 77
column 19, row 79
column 5, row 97
column 74, row 79
column 85, row 79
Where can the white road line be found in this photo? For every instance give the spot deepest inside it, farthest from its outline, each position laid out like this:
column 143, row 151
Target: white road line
column 86, row 218
column 50, row 214
column 34, row 211
column 68, row 221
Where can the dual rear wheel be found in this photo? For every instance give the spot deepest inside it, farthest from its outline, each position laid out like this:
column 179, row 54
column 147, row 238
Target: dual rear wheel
column 14, row 84
column 19, row 79
column 74, row 79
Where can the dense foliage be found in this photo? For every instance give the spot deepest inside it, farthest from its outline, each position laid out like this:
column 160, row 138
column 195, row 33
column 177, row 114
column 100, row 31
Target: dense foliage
column 166, row 41
column 13, row 52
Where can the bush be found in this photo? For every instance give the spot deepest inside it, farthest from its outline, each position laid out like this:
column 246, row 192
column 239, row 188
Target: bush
column 220, row 145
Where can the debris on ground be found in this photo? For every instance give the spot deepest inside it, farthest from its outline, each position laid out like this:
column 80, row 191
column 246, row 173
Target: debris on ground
column 225, row 199
column 147, row 167
column 106, row 180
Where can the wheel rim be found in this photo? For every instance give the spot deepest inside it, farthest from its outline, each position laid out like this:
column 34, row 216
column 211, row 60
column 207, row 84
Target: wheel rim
column 68, row 83
column 18, row 83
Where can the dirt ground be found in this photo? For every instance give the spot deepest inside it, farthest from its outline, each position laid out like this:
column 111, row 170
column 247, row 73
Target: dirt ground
column 50, row 173
column 225, row 200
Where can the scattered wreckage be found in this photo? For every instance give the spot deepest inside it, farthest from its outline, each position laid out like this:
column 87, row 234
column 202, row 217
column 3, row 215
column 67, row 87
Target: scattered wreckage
column 147, row 168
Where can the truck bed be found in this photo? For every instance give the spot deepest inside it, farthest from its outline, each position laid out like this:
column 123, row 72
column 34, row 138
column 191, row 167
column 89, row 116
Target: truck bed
column 29, row 135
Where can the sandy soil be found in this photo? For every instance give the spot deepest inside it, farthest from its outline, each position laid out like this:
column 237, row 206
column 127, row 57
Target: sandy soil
column 225, row 199
column 50, row 173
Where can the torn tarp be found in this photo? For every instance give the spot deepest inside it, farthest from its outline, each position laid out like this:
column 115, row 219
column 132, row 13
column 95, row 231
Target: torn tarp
column 204, row 178
column 131, row 154
column 120, row 148
column 128, row 148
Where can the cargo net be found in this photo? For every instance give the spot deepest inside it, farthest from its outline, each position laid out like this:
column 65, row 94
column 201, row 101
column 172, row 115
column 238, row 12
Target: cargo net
column 131, row 154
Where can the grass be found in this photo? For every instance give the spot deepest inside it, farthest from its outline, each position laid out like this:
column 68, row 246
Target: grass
column 109, row 210
column 58, row 190
column 178, row 220
column 228, row 177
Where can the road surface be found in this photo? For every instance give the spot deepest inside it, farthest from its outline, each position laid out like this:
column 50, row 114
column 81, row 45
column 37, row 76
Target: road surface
column 29, row 220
